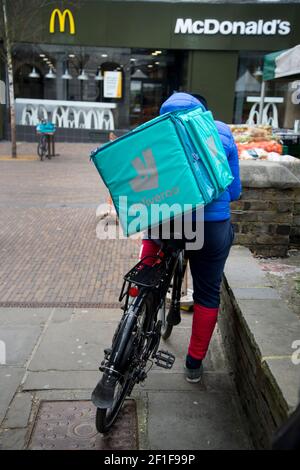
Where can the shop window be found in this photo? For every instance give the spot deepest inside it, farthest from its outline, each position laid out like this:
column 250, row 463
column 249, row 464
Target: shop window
column 26, row 87
column 154, row 76
column 289, row 109
column 283, row 111
column 71, row 74
column 248, row 83
column 75, row 74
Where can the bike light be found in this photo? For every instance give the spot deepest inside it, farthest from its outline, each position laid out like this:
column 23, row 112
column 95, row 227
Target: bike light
column 133, row 292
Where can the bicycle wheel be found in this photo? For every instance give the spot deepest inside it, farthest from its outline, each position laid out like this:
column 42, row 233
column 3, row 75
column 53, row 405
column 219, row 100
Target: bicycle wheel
column 40, row 150
column 48, row 149
column 105, row 417
column 42, row 147
column 133, row 346
column 171, row 316
column 166, row 328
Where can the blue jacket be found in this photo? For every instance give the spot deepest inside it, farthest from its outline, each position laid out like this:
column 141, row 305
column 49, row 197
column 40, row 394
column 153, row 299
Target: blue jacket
column 219, row 209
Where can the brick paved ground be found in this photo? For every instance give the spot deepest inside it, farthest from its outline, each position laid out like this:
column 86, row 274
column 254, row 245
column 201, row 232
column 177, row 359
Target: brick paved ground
column 49, row 251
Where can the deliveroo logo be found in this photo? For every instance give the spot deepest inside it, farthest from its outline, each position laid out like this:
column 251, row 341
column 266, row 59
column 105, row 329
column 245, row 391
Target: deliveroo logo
column 147, row 173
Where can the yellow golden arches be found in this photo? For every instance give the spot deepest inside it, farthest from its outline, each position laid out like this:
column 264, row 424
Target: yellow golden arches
column 62, row 16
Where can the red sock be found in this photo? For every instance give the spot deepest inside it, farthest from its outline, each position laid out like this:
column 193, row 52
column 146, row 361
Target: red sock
column 204, row 321
column 149, row 248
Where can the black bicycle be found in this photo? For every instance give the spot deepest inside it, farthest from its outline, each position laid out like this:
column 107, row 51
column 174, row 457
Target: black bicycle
column 151, row 296
column 43, row 147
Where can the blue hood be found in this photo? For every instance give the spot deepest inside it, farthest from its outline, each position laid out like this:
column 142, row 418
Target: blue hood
column 179, row 101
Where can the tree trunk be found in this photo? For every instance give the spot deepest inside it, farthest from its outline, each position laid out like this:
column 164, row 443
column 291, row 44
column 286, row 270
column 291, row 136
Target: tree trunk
column 10, row 74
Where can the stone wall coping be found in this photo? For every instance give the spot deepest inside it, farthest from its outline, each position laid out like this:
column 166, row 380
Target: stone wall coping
column 271, row 326
column 266, row 174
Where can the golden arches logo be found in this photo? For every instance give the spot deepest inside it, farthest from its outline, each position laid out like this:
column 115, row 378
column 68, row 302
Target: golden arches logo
column 62, row 18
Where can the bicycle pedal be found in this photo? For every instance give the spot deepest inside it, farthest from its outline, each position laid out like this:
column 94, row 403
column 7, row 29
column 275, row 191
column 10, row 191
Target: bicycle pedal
column 164, row 359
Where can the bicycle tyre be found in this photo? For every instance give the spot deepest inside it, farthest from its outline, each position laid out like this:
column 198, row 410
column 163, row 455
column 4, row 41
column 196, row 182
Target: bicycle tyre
column 167, row 328
column 105, row 420
column 105, row 417
column 166, row 331
column 40, row 151
column 46, row 147
column 42, row 147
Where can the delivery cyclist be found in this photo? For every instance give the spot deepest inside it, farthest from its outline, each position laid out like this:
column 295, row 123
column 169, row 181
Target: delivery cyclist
column 207, row 264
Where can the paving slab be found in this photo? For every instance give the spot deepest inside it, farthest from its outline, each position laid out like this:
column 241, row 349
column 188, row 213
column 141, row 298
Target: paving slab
column 19, row 341
column 79, row 344
column 287, row 376
column 60, row 380
column 195, row 420
column 97, row 314
column 13, row 439
column 61, row 315
column 112, row 315
column 211, row 382
column 86, row 380
column 272, row 325
column 18, row 413
column 178, row 343
column 50, row 395
column 255, row 293
column 285, row 275
column 243, row 271
column 72, row 346
column 10, row 379
column 24, row 316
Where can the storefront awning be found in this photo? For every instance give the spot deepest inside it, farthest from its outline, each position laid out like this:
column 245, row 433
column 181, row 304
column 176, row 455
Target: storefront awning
column 282, row 63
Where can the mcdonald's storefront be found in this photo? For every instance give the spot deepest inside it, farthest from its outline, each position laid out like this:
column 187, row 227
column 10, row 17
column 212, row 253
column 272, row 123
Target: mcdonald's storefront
column 92, row 67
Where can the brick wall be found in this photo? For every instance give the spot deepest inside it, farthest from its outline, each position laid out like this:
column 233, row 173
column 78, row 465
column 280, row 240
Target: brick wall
column 295, row 230
column 263, row 219
column 264, row 407
column 267, row 217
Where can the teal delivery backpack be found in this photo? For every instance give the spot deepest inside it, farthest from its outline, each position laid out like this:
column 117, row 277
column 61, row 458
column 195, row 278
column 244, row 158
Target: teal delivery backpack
column 163, row 168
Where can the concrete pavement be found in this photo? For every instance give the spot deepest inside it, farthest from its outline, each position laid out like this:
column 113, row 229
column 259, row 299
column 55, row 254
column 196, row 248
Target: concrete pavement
column 57, row 356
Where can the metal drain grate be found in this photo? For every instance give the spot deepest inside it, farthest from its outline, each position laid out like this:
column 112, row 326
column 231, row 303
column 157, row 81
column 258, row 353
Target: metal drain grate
column 70, row 425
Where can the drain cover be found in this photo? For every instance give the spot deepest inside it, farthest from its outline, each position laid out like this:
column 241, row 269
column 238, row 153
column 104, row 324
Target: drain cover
column 66, row 425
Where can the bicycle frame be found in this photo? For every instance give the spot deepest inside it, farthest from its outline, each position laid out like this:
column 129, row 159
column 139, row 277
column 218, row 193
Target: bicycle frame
column 163, row 272
column 151, row 280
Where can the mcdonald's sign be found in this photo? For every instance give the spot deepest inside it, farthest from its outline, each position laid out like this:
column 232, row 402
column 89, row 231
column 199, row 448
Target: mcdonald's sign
column 62, row 18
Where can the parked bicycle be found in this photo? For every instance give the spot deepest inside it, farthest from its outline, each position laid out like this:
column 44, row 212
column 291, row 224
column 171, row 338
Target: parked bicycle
column 147, row 317
column 45, row 131
column 42, row 148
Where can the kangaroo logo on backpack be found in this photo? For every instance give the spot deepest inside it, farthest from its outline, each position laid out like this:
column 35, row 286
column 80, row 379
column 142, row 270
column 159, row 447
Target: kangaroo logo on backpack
column 147, row 173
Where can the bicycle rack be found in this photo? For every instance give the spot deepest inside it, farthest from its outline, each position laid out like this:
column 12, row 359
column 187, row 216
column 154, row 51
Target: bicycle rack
column 144, row 275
